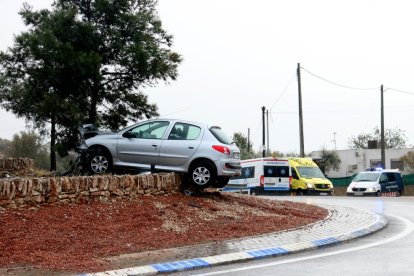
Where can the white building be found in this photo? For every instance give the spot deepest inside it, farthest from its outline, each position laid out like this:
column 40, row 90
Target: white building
column 356, row 160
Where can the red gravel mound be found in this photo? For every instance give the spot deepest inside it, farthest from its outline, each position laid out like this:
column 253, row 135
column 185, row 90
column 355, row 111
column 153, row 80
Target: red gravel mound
column 77, row 237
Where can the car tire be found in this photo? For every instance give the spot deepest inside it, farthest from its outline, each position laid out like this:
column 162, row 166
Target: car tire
column 99, row 162
column 378, row 194
column 253, row 192
column 299, row 192
column 202, row 174
column 221, row 182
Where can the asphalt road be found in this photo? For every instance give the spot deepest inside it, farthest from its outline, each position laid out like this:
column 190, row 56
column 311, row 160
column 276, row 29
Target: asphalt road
column 387, row 252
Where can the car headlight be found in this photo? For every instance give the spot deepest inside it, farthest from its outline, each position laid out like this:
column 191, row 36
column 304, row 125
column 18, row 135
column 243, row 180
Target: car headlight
column 372, row 189
column 310, row 185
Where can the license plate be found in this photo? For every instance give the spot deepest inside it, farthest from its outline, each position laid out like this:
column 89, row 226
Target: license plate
column 323, row 193
column 358, row 193
column 236, row 155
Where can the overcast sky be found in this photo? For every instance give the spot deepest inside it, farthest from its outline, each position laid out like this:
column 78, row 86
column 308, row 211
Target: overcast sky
column 241, row 55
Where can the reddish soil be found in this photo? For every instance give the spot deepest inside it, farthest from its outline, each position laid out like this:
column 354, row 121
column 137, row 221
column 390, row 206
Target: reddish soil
column 75, row 238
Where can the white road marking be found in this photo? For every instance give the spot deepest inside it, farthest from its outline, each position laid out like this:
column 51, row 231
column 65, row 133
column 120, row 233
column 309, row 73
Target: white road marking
column 409, row 227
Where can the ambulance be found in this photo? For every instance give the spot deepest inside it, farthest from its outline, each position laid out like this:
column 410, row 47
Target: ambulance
column 262, row 175
column 307, row 178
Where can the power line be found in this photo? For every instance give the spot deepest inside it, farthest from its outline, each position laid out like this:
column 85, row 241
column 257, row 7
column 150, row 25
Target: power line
column 283, row 92
column 338, row 84
column 401, row 91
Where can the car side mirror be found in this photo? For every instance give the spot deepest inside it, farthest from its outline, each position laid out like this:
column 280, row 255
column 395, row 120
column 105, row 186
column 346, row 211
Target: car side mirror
column 128, row 134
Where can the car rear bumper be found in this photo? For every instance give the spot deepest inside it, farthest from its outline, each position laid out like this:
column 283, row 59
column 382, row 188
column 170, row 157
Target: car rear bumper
column 228, row 167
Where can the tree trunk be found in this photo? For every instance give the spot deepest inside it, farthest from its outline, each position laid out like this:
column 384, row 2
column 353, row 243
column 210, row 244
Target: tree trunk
column 52, row 144
column 93, row 115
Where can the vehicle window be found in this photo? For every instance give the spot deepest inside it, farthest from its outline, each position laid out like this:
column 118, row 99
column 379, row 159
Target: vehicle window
column 294, row 174
column 220, row 135
column 246, row 172
column 182, row 131
column 152, row 130
column 276, row 171
column 383, row 178
column 310, row 172
column 391, row 177
column 369, row 177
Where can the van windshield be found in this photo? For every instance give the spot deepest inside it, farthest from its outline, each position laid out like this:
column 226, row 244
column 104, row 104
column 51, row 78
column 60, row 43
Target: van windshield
column 310, row 172
column 371, row 177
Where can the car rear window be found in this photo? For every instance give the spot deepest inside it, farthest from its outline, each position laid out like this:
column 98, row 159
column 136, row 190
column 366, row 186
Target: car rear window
column 220, row 135
column 276, row 171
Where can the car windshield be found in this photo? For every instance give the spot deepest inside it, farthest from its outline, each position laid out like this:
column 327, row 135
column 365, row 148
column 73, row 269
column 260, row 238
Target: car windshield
column 310, row 172
column 371, row 177
column 220, row 135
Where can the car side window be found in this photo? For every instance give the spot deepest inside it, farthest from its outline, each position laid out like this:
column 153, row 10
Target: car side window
column 383, row 178
column 294, row 174
column 152, row 130
column 391, row 177
column 182, row 131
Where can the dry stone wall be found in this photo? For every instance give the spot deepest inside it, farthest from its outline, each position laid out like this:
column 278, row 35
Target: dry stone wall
column 83, row 189
column 15, row 164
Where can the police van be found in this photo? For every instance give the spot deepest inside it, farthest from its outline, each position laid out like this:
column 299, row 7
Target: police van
column 375, row 182
column 262, row 175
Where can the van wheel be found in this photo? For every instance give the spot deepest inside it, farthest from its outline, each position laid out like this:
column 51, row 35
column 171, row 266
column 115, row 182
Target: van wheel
column 299, row 192
column 399, row 193
column 378, row 193
column 202, row 174
column 253, row 192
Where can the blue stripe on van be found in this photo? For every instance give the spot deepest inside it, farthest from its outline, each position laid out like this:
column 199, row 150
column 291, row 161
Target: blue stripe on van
column 276, row 188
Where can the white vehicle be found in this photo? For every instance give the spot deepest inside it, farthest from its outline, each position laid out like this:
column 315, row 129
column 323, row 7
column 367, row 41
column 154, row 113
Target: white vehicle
column 262, row 175
column 375, row 182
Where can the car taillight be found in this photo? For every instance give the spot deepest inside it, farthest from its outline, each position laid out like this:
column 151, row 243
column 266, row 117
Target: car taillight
column 290, row 181
column 261, row 181
column 222, row 149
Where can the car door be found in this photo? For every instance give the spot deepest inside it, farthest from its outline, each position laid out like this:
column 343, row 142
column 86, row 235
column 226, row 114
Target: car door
column 392, row 183
column 141, row 144
column 383, row 181
column 180, row 145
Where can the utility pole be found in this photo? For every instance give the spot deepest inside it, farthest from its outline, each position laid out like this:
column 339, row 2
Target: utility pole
column 334, row 140
column 248, row 139
column 264, row 130
column 267, row 127
column 301, row 138
column 382, row 129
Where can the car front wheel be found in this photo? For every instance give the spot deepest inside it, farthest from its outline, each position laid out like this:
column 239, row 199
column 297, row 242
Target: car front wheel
column 99, row 162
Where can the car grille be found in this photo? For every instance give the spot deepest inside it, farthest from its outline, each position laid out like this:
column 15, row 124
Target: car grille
column 359, row 189
column 322, row 186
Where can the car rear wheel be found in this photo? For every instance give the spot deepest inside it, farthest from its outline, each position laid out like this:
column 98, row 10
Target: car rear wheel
column 221, row 181
column 203, row 174
column 99, row 162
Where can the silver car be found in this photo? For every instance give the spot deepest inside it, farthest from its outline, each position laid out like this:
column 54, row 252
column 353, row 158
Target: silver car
column 204, row 153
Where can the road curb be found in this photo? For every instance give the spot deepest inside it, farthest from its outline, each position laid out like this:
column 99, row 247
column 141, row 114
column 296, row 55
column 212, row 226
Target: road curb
column 266, row 252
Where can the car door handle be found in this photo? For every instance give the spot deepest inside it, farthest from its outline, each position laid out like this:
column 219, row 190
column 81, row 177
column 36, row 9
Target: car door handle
column 155, row 146
column 191, row 147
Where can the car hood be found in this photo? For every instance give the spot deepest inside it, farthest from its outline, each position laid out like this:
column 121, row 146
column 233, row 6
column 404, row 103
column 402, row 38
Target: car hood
column 89, row 130
column 363, row 184
column 317, row 181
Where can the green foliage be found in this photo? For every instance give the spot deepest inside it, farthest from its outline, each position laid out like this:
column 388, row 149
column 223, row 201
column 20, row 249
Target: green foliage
column 394, row 138
column 246, row 148
column 4, row 145
column 408, row 161
column 330, row 160
column 29, row 145
column 86, row 62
